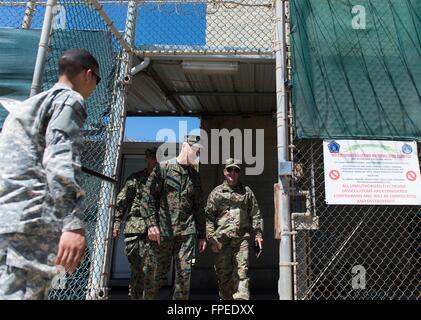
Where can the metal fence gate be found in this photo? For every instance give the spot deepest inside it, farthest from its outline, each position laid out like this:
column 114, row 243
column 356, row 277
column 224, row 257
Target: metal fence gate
column 103, row 137
column 86, row 28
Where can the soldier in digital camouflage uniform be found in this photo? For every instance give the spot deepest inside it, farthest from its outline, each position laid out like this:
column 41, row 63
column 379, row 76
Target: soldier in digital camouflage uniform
column 133, row 199
column 232, row 213
column 176, row 185
column 41, row 221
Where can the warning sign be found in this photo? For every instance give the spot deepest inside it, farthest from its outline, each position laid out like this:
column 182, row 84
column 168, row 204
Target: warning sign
column 371, row 172
column 334, row 175
column 411, row 176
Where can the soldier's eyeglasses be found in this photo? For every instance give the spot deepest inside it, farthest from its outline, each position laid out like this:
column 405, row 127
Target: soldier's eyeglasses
column 98, row 78
column 236, row 170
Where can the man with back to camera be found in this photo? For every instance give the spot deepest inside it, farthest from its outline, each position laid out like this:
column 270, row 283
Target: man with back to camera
column 133, row 199
column 232, row 213
column 40, row 195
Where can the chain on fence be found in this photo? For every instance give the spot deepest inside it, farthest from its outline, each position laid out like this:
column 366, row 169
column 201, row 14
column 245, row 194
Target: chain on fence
column 381, row 241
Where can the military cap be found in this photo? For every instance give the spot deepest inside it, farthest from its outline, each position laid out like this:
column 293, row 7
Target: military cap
column 193, row 141
column 231, row 162
column 151, row 152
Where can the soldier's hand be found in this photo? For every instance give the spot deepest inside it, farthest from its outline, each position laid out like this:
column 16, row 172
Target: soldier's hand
column 215, row 248
column 259, row 241
column 71, row 249
column 116, row 233
column 154, row 235
column 202, row 245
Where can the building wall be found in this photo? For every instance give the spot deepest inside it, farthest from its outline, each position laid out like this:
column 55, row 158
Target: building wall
column 263, row 271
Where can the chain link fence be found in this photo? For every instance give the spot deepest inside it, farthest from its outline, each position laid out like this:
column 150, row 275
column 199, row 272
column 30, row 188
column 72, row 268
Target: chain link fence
column 12, row 14
column 380, row 242
column 383, row 240
column 200, row 26
column 164, row 26
column 77, row 24
column 359, row 252
column 102, row 132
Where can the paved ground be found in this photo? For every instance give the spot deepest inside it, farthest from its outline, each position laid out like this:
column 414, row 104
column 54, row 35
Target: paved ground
column 120, row 293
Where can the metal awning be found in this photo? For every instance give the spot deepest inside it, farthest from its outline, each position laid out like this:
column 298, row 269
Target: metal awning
column 231, row 85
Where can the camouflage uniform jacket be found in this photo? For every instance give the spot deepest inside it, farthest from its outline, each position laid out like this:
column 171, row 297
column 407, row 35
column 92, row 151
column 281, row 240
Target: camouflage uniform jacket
column 232, row 212
column 181, row 207
column 133, row 199
column 40, row 164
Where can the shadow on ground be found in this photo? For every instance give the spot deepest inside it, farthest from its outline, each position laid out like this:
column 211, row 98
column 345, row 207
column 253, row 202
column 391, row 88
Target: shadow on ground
column 121, row 293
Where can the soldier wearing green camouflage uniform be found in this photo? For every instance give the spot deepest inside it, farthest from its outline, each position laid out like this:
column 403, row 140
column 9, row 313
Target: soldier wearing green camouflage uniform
column 40, row 193
column 176, row 185
column 133, row 200
column 232, row 213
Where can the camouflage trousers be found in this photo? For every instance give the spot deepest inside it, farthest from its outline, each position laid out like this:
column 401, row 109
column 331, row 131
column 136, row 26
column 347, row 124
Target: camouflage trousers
column 231, row 266
column 182, row 249
column 27, row 265
column 141, row 258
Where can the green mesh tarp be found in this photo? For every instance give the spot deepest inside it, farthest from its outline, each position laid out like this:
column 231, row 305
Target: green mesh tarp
column 356, row 82
column 100, row 45
column 18, row 51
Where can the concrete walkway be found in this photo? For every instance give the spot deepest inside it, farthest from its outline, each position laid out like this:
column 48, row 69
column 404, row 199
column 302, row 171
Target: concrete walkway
column 121, row 293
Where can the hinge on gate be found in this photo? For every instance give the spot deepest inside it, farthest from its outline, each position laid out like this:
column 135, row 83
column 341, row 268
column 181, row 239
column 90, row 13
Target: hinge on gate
column 285, row 168
column 288, row 264
column 288, row 233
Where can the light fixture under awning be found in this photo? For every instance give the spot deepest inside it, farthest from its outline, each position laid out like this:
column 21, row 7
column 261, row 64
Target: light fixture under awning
column 210, row 67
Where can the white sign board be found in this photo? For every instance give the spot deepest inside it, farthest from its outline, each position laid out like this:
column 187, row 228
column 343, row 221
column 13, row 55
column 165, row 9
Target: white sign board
column 371, row 172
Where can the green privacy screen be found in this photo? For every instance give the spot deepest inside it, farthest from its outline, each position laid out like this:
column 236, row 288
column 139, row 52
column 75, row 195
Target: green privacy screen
column 18, row 51
column 356, row 81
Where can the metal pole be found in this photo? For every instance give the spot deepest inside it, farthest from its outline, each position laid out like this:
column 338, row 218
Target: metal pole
column 43, row 48
column 29, row 14
column 98, row 7
column 102, row 248
column 285, row 289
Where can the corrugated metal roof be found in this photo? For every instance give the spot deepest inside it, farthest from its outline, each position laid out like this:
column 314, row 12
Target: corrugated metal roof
column 165, row 88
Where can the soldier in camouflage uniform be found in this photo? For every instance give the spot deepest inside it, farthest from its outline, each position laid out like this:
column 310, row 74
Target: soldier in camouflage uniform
column 177, row 187
column 133, row 199
column 232, row 213
column 40, row 196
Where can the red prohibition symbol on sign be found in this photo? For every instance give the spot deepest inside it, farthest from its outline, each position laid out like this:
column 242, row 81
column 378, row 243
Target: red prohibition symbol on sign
column 334, row 175
column 411, row 176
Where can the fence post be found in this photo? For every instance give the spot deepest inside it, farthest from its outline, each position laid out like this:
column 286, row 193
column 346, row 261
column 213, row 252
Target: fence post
column 285, row 263
column 43, row 47
column 103, row 241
